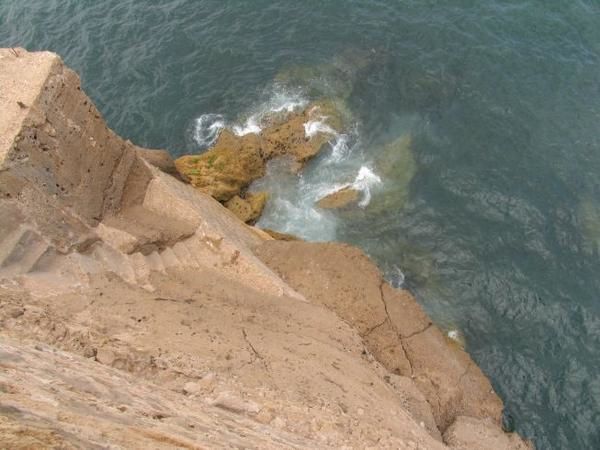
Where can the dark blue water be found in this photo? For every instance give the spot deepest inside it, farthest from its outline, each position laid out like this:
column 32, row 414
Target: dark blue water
column 496, row 223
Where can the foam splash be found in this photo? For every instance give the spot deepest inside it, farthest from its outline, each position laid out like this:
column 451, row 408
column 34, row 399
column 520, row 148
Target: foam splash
column 312, row 127
column 365, row 180
column 397, row 277
column 339, row 148
column 457, row 336
column 250, row 126
column 285, row 101
column 207, row 128
column 291, row 206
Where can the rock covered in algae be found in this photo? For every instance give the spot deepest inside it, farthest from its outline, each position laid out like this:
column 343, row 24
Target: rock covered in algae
column 235, row 161
column 341, row 198
column 225, row 169
column 249, row 208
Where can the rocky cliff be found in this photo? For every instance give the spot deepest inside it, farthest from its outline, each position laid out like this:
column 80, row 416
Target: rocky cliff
column 138, row 312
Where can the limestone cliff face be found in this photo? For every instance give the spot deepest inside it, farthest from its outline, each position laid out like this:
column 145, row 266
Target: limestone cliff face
column 138, row 312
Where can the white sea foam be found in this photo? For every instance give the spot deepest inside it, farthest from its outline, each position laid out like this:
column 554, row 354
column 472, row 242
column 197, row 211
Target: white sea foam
column 312, row 127
column 365, row 180
column 339, row 148
column 399, row 277
column 453, row 334
column 284, row 100
column 250, row 126
column 279, row 101
column 207, row 128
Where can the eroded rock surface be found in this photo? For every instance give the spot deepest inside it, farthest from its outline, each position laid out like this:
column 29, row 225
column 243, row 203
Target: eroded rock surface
column 393, row 326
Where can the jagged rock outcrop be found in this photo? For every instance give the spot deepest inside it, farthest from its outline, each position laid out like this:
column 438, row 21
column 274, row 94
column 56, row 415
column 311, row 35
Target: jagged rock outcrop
column 227, row 168
column 138, row 312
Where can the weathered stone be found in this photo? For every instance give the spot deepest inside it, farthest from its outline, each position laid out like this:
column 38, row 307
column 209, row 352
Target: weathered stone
column 227, row 168
column 160, row 159
column 394, row 327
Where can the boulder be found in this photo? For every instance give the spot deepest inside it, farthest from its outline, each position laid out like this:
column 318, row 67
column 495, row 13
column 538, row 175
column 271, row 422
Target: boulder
column 227, row 168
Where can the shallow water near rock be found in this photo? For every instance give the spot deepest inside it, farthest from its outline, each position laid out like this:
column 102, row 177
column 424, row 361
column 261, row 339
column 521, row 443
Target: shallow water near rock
column 494, row 223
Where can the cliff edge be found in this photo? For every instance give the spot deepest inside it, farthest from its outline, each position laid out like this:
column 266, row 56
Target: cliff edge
column 138, row 312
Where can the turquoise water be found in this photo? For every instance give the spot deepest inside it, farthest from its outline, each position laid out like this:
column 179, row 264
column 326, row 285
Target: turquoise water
column 495, row 226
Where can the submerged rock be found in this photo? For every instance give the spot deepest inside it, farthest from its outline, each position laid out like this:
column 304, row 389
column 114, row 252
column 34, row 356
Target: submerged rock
column 335, row 78
column 397, row 167
column 342, row 198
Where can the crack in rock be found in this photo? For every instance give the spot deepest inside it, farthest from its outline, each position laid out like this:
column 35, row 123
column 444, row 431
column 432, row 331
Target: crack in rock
column 381, row 296
column 429, row 325
column 257, row 355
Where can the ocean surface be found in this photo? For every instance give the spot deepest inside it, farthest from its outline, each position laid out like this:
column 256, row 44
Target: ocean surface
column 474, row 140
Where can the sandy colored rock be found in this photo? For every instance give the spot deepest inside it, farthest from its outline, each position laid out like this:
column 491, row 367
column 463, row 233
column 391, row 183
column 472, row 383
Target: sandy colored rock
column 394, row 327
column 336, row 275
column 468, row 432
column 415, row 402
column 339, row 199
column 160, row 159
column 249, row 208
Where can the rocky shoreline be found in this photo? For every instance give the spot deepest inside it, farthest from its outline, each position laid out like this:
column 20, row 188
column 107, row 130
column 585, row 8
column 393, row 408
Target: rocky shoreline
column 139, row 312
column 226, row 169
